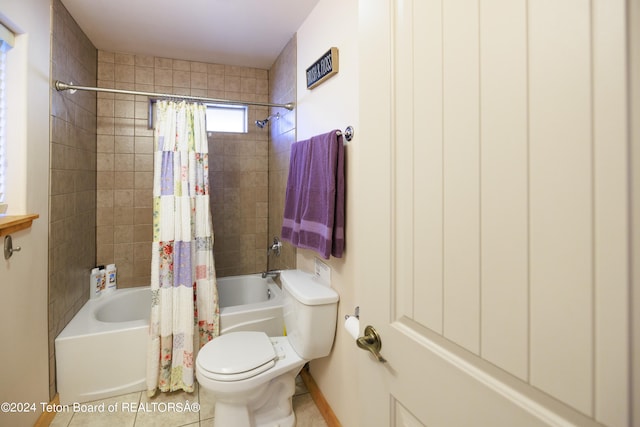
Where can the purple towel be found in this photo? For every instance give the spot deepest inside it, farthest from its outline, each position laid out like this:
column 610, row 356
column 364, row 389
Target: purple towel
column 314, row 202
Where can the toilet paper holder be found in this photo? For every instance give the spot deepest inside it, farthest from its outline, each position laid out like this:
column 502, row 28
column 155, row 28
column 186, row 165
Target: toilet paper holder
column 356, row 314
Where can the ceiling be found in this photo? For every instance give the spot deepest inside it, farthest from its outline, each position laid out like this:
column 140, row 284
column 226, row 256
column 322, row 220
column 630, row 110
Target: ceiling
column 249, row 33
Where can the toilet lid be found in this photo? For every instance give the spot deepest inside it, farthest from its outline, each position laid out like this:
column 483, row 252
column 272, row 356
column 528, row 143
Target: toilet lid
column 237, row 355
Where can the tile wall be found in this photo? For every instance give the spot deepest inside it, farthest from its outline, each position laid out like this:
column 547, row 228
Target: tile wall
column 72, row 192
column 282, row 89
column 238, row 163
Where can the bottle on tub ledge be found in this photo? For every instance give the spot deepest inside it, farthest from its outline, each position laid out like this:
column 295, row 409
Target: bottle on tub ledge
column 102, row 280
column 111, row 276
column 95, row 283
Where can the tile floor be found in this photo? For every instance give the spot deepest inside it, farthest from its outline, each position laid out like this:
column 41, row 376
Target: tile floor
column 171, row 410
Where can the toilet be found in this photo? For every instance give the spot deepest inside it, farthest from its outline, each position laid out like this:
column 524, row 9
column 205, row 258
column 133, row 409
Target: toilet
column 251, row 375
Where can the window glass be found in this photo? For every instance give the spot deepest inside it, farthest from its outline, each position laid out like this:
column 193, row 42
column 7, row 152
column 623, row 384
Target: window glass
column 226, row 118
column 6, row 42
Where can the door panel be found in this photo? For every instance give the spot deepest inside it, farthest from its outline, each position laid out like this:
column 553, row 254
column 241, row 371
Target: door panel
column 561, row 201
column 461, row 171
column 426, row 55
column 495, row 160
column 504, row 186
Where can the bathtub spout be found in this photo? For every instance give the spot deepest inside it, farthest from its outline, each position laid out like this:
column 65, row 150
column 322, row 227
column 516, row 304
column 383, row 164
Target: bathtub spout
column 270, row 273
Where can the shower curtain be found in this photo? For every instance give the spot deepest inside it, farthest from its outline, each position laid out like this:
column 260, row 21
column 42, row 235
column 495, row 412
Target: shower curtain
column 184, row 306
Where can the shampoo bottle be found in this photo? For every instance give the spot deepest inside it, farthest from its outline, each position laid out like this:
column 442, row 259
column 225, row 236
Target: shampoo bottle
column 111, row 278
column 103, row 278
column 94, row 283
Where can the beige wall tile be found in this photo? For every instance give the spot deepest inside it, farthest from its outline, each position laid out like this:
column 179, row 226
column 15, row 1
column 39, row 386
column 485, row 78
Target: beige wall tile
column 232, row 83
column 122, row 198
column 124, row 109
column 124, row 144
column 123, row 252
column 106, row 71
column 104, row 180
column 123, row 162
column 163, row 77
column 144, row 145
column 123, row 215
column 144, row 75
column 105, row 162
column 163, row 63
column 124, row 58
column 122, row 180
column 198, row 80
column 143, row 216
column 125, row 73
column 144, row 61
column 181, row 79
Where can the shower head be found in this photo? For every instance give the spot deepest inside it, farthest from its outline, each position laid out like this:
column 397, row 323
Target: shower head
column 262, row 123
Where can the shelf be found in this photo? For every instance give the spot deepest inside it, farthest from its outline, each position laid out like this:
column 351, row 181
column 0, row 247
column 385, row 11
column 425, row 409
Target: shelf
column 12, row 223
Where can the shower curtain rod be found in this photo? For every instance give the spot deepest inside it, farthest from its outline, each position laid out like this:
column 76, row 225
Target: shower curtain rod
column 62, row 86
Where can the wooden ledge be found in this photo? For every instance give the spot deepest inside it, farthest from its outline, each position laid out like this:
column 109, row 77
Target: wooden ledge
column 12, row 223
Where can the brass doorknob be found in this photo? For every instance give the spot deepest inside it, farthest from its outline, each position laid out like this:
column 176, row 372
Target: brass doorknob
column 371, row 342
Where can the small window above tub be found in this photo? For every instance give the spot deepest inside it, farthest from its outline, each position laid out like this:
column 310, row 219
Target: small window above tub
column 226, row 118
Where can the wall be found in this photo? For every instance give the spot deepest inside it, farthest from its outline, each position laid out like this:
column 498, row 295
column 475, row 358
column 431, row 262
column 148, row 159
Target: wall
column 23, row 279
column 238, row 163
column 333, row 105
column 282, row 89
column 72, row 195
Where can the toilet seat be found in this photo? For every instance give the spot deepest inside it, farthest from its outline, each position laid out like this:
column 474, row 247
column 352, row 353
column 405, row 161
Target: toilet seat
column 237, row 356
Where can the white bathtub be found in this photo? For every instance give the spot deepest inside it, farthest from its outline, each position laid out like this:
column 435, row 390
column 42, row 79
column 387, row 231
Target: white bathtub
column 102, row 351
column 250, row 303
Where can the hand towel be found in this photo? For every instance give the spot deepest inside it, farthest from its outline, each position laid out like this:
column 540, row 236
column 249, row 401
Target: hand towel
column 314, row 209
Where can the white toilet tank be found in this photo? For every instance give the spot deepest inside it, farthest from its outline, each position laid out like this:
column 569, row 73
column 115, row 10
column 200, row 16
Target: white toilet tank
column 310, row 314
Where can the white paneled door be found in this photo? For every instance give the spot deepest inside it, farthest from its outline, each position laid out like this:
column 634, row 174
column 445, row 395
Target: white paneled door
column 494, row 257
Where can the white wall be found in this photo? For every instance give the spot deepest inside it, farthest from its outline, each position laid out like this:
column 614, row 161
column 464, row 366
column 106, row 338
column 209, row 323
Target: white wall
column 334, row 105
column 23, row 279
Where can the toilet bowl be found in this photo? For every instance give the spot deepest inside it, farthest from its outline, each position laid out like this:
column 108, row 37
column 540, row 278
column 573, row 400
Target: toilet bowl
column 251, row 375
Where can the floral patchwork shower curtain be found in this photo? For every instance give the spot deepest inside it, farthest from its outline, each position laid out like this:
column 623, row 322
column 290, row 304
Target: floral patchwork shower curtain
column 184, row 306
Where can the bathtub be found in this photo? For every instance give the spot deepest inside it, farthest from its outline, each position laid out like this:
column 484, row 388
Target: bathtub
column 250, row 303
column 102, row 352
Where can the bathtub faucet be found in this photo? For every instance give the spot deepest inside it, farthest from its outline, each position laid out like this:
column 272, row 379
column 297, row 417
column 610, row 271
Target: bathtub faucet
column 270, row 273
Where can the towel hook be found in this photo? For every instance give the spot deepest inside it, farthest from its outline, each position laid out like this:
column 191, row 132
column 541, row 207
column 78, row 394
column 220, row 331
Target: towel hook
column 9, row 249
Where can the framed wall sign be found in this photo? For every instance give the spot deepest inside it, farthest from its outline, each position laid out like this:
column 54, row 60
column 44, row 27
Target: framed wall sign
column 323, row 69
